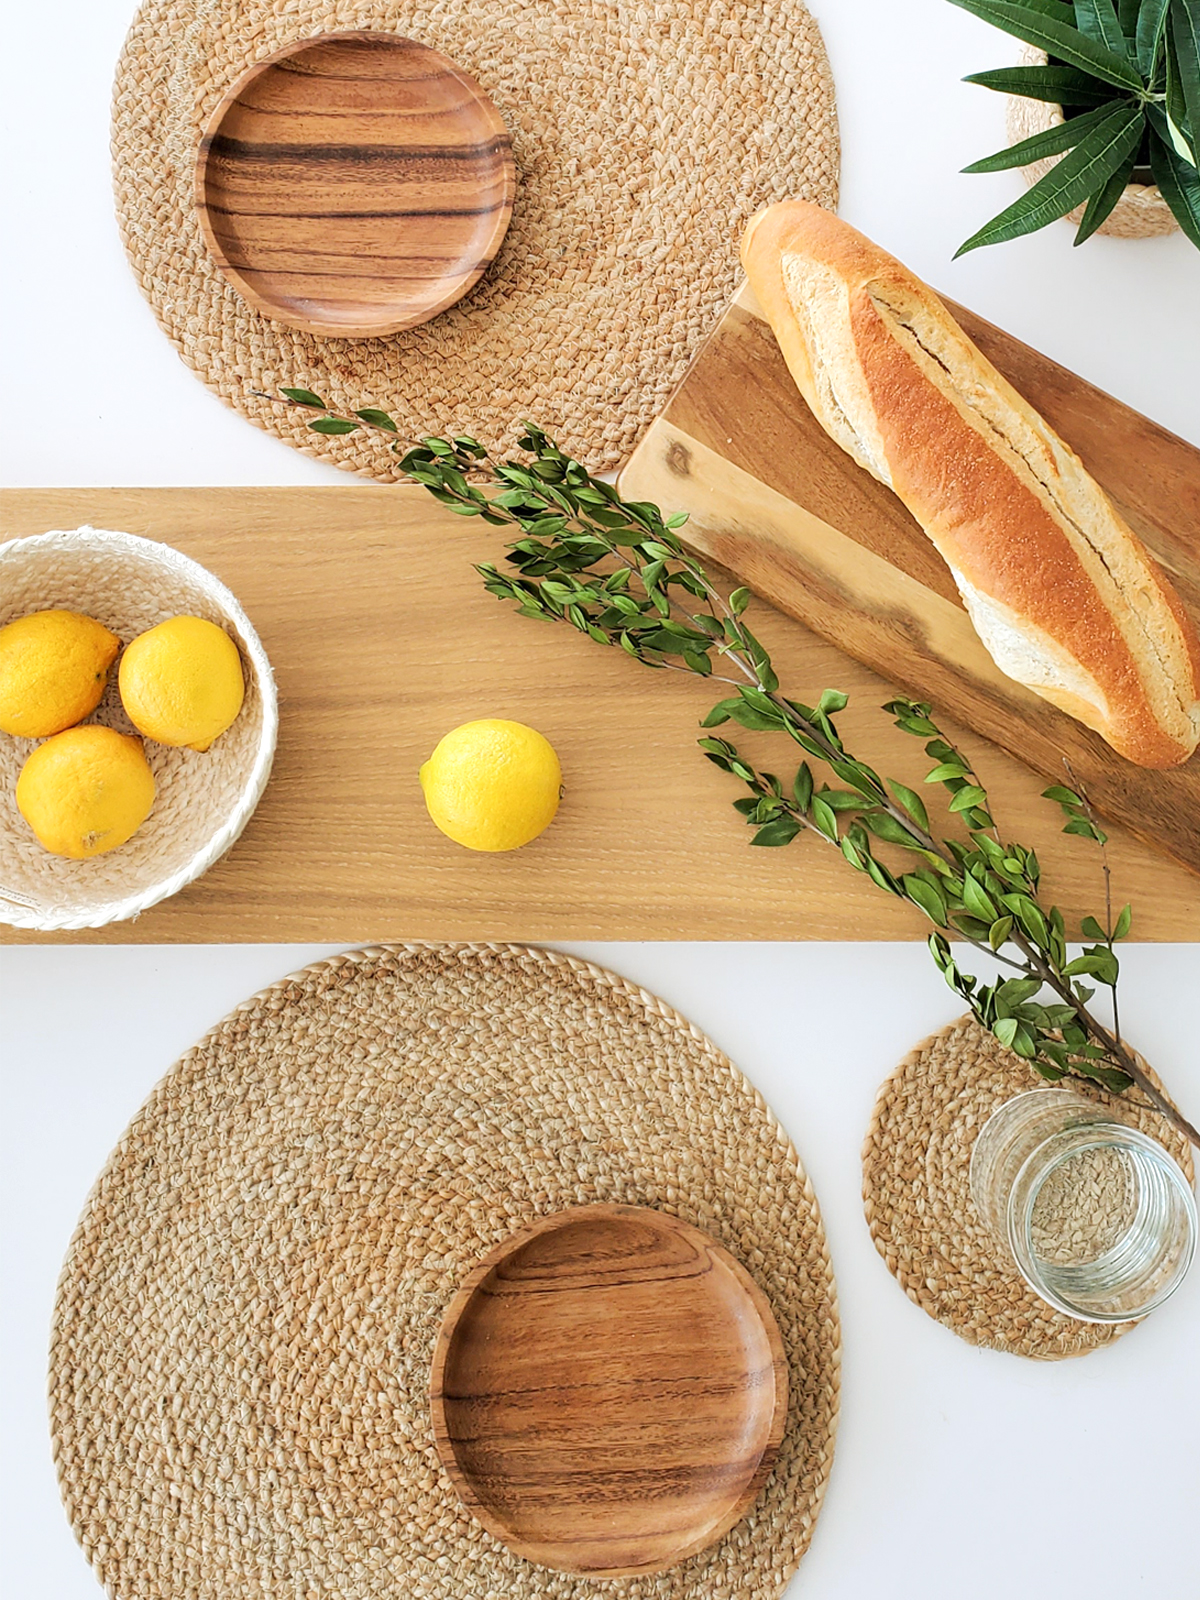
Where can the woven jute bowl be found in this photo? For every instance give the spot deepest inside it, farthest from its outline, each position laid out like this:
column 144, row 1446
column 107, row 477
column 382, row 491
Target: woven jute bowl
column 1140, row 213
column 203, row 801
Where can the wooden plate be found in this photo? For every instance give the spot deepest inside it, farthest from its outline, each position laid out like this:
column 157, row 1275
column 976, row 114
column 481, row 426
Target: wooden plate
column 609, row 1391
column 354, row 184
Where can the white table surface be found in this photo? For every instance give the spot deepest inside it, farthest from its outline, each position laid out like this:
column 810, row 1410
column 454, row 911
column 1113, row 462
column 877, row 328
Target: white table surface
column 959, row 1472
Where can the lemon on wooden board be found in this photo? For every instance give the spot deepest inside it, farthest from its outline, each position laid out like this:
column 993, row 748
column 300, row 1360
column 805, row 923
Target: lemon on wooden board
column 492, row 785
column 181, row 682
column 86, row 791
column 53, row 669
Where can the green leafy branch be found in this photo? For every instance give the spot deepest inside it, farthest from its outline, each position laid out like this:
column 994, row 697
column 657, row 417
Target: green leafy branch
column 616, row 571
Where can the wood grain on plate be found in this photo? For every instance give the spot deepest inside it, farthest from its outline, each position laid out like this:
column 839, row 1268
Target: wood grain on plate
column 382, row 639
column 778, row 502
column 355, row 184
column 609, row 1391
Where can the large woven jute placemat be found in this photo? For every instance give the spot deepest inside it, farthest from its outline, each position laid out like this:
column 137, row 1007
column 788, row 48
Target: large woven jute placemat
column 645, row 132
column 916, row 1189
column 247, row 1313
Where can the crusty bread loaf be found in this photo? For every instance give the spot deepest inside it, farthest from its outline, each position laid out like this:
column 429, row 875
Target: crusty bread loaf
column 1064, row 595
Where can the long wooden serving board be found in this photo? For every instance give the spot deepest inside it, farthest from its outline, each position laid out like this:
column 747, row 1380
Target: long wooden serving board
column 772, row 498
column 382, row 638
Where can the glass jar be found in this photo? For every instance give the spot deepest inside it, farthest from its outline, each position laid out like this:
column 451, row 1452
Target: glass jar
column 1098, row 1217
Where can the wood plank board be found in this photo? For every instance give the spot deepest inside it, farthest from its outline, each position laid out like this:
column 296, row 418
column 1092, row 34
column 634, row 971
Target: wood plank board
column 775, row 500
column 382, row 638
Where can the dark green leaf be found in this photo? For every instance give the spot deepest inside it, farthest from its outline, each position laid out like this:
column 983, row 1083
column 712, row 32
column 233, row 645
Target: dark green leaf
column 377, row 419
column 305, row 397
column 1152, row 19
column 1099, row 21
column 976, row 900
column 1099, row 208
column 1185, row 36
column 1061, row 86
column 1180, row 187
column 1050, row 142
column 1084, row 828
column 1070, row 181
column 1091, row 929
column 1124, row 921
column 1057, row 38
column 333, row 425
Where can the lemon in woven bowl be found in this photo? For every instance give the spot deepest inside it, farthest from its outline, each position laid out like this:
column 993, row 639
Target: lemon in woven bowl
column 181, row 682
column 492, row 785
column 86, row 791
column 53, row 671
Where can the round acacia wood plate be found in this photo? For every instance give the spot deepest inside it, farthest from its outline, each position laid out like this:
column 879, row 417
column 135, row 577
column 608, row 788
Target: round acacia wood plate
column 354, row 184
column 609, row 1391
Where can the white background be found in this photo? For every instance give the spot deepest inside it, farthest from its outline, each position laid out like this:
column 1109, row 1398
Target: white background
column 959, row 1472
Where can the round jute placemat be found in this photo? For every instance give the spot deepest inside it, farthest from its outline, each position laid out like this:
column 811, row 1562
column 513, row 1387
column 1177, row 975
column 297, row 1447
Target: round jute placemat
column 646, row 133
column 246, row 1317
column 916, row 1189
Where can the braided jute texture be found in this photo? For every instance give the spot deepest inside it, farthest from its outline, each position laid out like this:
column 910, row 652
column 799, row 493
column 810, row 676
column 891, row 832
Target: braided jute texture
column 916, row 1189
column 645, row 132
column 247, row 1313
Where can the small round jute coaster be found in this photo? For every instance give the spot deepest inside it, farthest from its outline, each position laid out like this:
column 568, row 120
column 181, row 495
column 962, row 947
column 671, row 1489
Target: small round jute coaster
column 916, row 1189
column 245, row 1322
column 646, row 133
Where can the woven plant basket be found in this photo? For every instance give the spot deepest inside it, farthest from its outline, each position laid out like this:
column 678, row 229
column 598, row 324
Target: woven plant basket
column 203, row 801
column 1140, row 213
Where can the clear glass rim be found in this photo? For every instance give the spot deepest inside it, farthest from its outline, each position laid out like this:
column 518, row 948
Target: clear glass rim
column 1101, row 1134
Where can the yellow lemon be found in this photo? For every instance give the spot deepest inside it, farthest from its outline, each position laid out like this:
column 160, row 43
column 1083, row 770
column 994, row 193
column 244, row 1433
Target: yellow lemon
column 492, row 785
column 182, row 683
column 53, row 668
column 86, row 791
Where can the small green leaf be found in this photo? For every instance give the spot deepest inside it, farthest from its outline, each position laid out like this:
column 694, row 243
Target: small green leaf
column 923, row 894
column 823, row 818
column 333, row 425
column 782, row 831
column 1005, row 1029
column 1124, row 921
column 1064, row 797
column 911, row 803
column 377, row 419
column 1000, row 931
column 305, row 397
column 738, row 601
column 966, row 797
column 976, row 900
column 832, row 701
column 947, row 772
column 1091, row 929
column 802, row 786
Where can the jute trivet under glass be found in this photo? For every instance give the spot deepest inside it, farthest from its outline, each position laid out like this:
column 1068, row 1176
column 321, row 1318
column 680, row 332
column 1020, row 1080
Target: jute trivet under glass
column 646, row 133
column 246, row 1317
column 916, row 1188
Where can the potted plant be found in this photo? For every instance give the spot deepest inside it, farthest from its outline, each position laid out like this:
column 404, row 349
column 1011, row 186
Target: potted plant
column 1106, row 115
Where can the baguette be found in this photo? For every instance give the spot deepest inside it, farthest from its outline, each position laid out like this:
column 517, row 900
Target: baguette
column 1065, row 597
